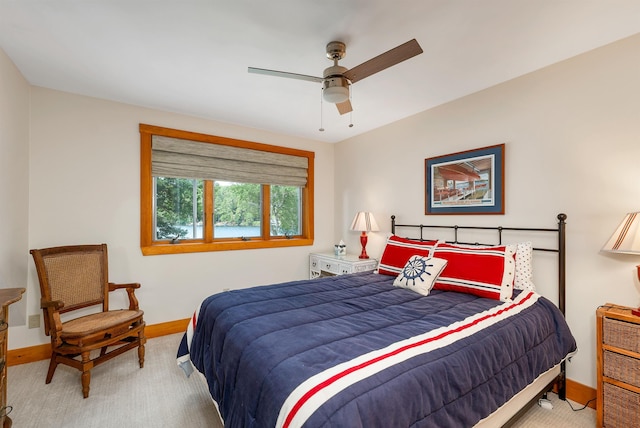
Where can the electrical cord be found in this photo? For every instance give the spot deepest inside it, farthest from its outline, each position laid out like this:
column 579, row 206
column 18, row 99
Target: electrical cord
column 577, row 409
column 581, row 408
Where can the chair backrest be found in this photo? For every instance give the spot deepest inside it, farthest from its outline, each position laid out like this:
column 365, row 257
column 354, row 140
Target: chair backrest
column 77, row 275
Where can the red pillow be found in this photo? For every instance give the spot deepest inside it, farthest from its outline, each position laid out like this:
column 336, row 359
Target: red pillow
column 482, row 271
column 398, row 251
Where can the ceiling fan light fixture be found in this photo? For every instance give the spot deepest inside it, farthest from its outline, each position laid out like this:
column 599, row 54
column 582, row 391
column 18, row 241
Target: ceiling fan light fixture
column 336, row 90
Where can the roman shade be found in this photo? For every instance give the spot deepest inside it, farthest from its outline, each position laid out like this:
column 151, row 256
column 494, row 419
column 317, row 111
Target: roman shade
column 180, row 158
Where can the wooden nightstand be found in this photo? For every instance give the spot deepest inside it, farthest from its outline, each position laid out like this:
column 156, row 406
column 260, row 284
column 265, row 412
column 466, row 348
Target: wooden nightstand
column 328, row 264
column 618, row 357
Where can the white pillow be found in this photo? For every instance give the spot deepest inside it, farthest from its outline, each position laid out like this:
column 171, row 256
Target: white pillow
column 419, row 274
column 524, row 270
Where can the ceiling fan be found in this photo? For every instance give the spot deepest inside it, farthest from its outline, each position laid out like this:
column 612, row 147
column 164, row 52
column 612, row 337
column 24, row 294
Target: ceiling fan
column 337, row 79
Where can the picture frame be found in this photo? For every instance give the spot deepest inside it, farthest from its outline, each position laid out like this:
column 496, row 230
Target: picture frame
column 469, row 182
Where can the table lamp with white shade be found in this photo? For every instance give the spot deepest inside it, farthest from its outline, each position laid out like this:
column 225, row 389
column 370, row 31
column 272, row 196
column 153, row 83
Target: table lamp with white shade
column 364, row 222
column 626, row 240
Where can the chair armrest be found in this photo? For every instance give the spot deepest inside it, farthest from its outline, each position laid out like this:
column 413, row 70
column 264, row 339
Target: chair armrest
column 56, row 305
column 130, row 287
column 113, row 287
column 52, row 322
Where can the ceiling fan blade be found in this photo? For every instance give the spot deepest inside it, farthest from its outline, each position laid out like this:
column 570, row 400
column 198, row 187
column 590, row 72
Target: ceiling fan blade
column 389, row 58
column 344, row 107
column 285, row 74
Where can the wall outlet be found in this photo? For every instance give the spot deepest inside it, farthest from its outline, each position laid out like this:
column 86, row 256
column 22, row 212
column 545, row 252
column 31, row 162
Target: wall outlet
column 34, row 321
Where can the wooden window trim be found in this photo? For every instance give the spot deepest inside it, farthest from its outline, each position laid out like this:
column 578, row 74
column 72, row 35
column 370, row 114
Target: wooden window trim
column 151, row 247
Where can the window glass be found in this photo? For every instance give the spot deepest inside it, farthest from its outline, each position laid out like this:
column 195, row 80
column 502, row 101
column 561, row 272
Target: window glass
column 286, row 206
column 237, row 210
column 178, row 210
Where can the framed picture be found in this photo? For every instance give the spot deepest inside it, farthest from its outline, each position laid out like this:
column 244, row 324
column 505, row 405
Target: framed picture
column 470, row 182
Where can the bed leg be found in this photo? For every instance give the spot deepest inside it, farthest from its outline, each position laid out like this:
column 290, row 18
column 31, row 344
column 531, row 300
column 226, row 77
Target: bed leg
column 562, row 385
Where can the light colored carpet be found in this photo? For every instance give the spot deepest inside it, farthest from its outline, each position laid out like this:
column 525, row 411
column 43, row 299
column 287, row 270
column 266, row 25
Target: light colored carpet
column 122, row 394
column 561, row 416
column 159, row 395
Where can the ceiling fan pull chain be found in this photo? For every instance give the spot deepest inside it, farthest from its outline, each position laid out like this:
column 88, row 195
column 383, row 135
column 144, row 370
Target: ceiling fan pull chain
column 321, row 128
column 351, row 112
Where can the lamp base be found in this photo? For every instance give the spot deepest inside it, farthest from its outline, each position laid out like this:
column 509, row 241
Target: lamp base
column 363, row 242
column 636, row 311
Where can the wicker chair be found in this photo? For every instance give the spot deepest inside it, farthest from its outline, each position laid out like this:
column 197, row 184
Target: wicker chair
column 75, row 277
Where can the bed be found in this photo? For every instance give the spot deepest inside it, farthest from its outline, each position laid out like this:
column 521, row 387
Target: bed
column 467, row 342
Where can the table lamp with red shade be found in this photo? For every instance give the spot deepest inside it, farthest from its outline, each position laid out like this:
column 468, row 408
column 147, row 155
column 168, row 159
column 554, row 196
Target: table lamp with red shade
column 364, row 222
column 626, row 240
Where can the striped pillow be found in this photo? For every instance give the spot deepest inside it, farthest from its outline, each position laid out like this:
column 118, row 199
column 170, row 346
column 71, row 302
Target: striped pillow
column 398, row 251
column 483, row 271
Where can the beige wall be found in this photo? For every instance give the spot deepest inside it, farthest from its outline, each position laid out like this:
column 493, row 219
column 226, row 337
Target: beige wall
column 85, row 187
column 14, row 181
column 572, row 135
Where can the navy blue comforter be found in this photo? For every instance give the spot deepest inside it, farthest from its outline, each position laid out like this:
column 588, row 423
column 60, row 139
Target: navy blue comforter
column 255, row 346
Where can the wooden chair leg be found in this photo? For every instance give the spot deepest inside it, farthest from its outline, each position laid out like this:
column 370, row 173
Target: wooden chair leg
column 141, row 354
column 52, row 368
column 86, row 373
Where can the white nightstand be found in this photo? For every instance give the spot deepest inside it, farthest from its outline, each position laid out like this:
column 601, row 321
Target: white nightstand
column 328, row 264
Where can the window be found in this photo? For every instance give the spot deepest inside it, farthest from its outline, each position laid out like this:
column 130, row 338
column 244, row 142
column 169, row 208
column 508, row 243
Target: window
column 207, row 193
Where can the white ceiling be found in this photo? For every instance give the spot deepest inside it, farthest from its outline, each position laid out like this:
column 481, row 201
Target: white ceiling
column 191, row 56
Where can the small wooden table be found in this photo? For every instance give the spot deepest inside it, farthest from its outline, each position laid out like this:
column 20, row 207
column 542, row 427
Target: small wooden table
column 7, row 297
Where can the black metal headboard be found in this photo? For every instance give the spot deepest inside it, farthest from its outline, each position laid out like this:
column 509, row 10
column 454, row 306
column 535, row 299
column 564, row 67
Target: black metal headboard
column 559, row 248
column 558, row 233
